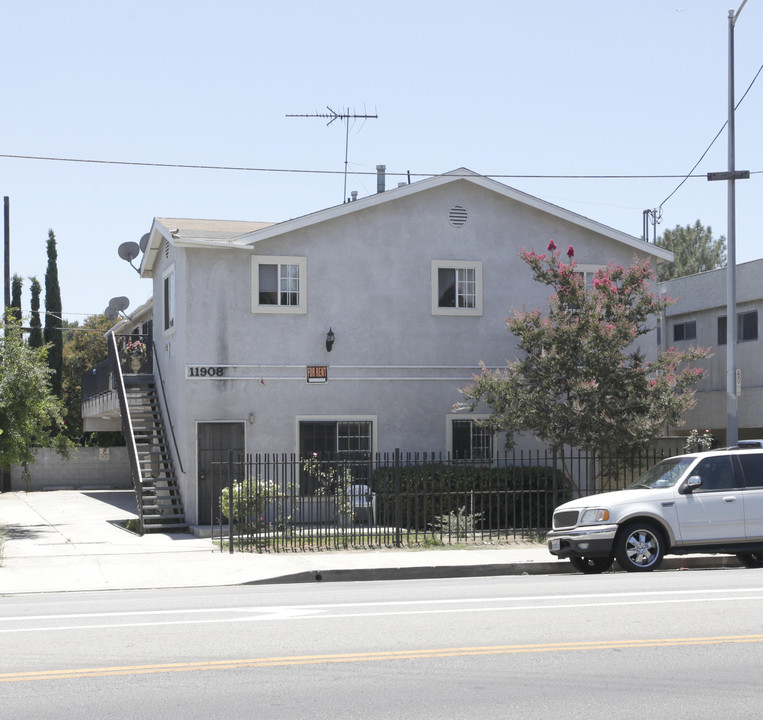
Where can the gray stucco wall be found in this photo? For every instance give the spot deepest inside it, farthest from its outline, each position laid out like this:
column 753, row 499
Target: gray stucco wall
column 86, row 468
column 369, row 279
column 702, row 298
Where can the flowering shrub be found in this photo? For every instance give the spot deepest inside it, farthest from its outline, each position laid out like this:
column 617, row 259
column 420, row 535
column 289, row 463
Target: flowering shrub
column 698, row 441
column 250, row 499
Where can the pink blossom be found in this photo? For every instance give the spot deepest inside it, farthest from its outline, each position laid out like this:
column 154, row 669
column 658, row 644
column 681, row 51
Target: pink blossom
column 551, row 245
column 570, row 252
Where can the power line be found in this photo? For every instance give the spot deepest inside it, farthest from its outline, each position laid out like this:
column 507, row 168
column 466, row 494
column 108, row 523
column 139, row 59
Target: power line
column 723, row 127
column 183, row 166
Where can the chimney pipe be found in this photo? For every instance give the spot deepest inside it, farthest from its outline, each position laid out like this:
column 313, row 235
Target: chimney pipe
column 380, row 178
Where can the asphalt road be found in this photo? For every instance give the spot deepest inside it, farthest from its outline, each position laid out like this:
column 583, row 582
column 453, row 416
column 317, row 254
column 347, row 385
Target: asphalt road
column 666, row 644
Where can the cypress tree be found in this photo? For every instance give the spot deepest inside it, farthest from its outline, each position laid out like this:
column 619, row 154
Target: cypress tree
column 16, row 284
column 53, row 321
column 35, row 336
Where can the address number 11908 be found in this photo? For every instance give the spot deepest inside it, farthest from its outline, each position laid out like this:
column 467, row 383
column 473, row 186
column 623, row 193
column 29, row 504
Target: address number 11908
column 197, row 371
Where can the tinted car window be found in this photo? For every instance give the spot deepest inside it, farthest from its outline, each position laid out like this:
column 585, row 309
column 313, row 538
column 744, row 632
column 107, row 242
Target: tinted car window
column 752, row 467
column 716, row 473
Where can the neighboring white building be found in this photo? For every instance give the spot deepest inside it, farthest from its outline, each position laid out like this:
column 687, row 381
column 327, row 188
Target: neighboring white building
column 414, row 284
column 698, row 318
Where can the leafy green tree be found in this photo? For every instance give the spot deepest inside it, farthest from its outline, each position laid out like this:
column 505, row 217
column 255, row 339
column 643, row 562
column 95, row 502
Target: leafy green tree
column 582, row 380
column 53, row 319
column 30, row 415
column 84, row 348
column 694, row 249
column 35, row 336
column 16, row 285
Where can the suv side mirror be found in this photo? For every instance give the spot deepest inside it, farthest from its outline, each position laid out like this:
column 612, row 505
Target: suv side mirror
column 694, row 482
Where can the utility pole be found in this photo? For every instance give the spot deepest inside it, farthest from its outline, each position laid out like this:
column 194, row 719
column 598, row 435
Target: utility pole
column 7, row 236
column 733, row 376
column 345, row 115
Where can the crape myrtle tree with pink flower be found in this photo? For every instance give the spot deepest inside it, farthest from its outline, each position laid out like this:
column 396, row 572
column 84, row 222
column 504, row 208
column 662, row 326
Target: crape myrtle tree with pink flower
column 582, row 380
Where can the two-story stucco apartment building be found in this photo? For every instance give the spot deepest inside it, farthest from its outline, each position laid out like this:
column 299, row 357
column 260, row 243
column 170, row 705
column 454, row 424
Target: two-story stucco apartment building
column 350, row 329
column 699, row 317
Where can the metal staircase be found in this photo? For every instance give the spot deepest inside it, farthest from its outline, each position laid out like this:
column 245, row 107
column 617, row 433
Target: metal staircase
column 159, row 501
column 160, row 505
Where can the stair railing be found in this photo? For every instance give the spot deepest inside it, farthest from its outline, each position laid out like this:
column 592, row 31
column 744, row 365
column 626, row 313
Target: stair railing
column 132, row 448
column 166, row 407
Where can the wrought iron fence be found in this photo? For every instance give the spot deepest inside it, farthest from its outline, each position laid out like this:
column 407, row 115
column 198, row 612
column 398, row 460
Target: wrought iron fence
column 285, row 503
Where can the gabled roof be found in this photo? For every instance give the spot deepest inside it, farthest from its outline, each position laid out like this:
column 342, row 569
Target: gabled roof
column 459, row 175
column 189, row 232
column 214, row 233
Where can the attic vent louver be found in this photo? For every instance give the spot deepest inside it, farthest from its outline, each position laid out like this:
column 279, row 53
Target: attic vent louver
column 166, row 249
column 457, row 216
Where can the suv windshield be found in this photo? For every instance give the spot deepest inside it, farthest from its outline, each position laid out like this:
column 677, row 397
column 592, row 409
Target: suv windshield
column 663, row 474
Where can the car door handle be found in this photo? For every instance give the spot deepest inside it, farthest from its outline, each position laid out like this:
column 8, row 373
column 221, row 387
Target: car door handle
column 730, row 498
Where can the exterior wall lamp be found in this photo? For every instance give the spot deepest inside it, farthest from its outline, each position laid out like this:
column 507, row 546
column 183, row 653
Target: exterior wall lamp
column 329, row 340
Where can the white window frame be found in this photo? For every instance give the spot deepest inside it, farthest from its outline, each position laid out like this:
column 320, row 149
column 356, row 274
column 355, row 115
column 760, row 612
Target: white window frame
column 373, row 419
column 588, row 272
column 438, row 265
column 169, row 307
column 474, row 418
column 301, row 307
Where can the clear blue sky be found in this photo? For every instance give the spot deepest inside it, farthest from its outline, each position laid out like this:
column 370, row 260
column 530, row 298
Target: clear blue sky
column 501, row 87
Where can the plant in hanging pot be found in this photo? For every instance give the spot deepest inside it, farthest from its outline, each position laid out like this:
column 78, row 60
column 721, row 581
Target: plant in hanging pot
column 135, row 351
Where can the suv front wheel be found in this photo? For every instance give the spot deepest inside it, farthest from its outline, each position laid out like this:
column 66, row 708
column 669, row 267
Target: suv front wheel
column 639, row 547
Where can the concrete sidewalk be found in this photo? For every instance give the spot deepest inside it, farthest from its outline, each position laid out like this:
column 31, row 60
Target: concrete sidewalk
column 67, row 540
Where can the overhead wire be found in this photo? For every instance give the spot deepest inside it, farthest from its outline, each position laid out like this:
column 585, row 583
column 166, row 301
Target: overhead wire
column 184, row 166
column 707, row 150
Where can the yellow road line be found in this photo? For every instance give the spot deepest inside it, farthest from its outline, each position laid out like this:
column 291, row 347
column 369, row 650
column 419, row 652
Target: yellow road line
column 65, row 674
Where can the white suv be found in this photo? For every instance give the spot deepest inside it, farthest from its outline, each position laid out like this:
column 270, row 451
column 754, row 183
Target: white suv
column 710, row 502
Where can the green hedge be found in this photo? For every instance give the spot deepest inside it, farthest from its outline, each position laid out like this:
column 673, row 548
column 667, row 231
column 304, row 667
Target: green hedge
column 521, row 497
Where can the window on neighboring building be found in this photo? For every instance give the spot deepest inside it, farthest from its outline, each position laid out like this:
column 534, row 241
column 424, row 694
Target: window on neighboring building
column 747, row 327
column 470, row 441
column 168, row 300
column 278, row 284
column 456, row 287
column 685, row 331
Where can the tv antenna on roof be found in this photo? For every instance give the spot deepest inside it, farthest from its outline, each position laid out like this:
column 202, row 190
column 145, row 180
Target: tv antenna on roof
column 345, row 115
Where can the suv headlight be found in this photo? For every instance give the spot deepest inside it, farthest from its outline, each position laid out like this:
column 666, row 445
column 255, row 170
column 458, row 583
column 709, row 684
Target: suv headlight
column 595, row 515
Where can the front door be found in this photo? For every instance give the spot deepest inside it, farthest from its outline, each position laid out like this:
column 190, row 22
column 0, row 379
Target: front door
column 215, row 440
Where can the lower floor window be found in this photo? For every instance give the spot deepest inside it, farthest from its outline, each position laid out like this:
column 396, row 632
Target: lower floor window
column 346, row 444
column 471, row 441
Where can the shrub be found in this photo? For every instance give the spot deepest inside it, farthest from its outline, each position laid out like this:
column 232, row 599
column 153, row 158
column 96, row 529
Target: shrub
column 250, row 498
column 519, row 497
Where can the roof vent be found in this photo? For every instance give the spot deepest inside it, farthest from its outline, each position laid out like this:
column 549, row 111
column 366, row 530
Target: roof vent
column 457, row 216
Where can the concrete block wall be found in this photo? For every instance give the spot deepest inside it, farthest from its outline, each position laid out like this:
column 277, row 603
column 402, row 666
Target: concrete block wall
column 86, row 468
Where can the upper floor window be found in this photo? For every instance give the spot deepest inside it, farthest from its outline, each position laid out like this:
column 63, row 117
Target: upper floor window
column 685, row 331
column 168, row 300
column 747, row 327
column 588, row 273
column 279, row 284
column 456, row 287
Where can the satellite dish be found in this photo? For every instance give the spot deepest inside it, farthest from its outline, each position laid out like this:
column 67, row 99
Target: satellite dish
column 119, row 303
column 144, row 242
column 111, row 313
column 129, row 251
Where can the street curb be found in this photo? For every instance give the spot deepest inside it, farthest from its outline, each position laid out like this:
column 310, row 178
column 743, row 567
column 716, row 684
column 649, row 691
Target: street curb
column 434, row 572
